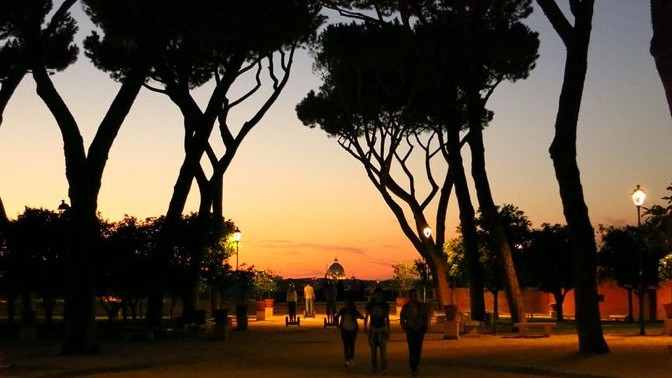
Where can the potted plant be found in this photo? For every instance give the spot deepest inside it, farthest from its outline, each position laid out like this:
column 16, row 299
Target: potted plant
column 265, row 282
column 405, row 278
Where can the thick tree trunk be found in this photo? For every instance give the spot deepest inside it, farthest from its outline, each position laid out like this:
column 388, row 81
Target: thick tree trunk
column 190, row 303
column 79, row 312
column 11, row 309
column 190, row 165
column 439, row 267
column 630, row 307
column 563, row 154
column 661, row 44
column 468, row 226
column 9, row 85
column 4, row 220
column 493, row 226
column 160, row 256
column 559, row 300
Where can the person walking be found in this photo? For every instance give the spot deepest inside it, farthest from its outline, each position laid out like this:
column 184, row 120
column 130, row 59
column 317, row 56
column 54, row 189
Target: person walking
column 414, row 319
column 377, row 324
column 346, row 320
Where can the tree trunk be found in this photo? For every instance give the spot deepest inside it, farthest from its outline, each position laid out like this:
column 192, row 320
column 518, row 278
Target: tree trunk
column 661, row 44
column 563, row 154
column 48, row 303
column 438, row 266
column 166, row 239
column 4, row 220
column 9, row 85
column 468, row 226
column 190, row 304
column 559, row 300
column 79, row 312
column 630, row 307
column 498, row 237
column 11, row 309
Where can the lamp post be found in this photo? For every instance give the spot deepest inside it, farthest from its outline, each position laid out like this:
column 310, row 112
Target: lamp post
column 638, row 197
column 427, row 231
column 236, row 237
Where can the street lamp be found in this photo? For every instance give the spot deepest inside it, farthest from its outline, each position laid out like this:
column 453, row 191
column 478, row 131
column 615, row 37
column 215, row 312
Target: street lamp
column 236, row 237
column 638, row 197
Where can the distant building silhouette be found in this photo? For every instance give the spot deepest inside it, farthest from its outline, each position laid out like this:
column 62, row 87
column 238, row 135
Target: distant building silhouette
column 335, row 271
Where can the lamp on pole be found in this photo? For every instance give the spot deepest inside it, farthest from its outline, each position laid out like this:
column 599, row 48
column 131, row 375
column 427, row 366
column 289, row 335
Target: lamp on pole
column 236, row 237
column 638, row 197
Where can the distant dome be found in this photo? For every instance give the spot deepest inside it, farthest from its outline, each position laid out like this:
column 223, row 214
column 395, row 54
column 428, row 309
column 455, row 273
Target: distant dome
column 335, row 271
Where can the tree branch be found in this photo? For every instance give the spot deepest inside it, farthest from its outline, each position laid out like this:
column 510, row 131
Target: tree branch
column 558, row 20
column 253, row 90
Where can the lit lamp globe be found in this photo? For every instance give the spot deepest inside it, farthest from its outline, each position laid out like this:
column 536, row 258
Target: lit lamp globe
column 427, row 231
column 236, row 237
column 638, row 196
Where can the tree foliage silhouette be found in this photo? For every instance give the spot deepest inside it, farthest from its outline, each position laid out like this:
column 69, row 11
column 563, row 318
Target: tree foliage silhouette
column 125, row 52
column 427, row 85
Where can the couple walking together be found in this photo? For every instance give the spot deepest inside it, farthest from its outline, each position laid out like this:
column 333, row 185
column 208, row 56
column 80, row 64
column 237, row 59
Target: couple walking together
column 414, row 320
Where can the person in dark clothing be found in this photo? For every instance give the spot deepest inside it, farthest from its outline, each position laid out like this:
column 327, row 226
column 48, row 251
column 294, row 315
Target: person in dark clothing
column 377, row 323
column 330, row 293
column 414, row 319
column 346, row 319
column 292, row 297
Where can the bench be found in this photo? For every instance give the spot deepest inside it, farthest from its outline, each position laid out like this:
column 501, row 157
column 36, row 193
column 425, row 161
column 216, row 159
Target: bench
column 524, row 327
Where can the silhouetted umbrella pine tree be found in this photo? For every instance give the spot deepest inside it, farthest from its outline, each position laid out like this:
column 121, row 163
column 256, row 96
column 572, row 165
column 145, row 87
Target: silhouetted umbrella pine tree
column 221, row 43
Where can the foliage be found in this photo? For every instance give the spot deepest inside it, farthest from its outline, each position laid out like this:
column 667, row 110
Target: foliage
column 457, row 271
column 623, row 251
column 405, row 277
column 265, row 282
column 665, row 268
column 17, row 18
column 548, row 262
column 518, row 231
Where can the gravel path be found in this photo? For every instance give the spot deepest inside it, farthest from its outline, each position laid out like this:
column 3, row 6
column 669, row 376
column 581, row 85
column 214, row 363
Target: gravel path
column 269, row 349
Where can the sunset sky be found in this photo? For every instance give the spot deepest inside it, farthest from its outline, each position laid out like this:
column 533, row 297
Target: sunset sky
column 301, row 201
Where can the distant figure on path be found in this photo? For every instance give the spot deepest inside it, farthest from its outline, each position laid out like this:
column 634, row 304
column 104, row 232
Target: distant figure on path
column 377, row 323
column 346, row 319
column 291, row 302
column 309, row 294
column 330, row 293
column 414, row 319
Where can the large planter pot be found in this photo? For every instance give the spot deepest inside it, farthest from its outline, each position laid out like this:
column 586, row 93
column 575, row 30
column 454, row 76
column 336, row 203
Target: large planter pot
column 260, row 305
column 451, row 312
column 269, row 302
column 260, row 309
